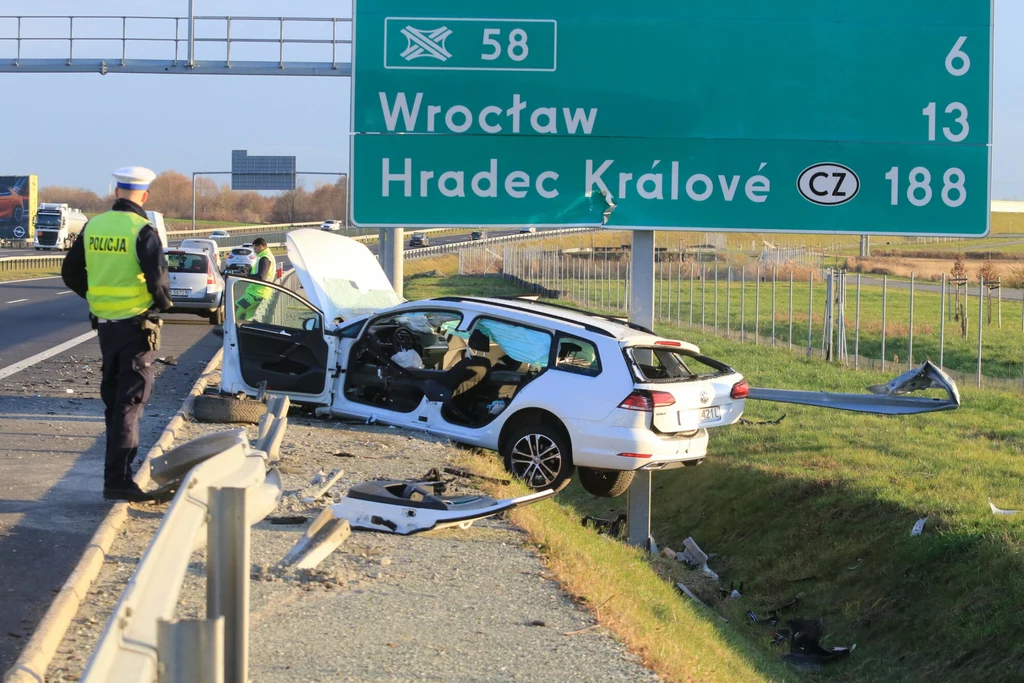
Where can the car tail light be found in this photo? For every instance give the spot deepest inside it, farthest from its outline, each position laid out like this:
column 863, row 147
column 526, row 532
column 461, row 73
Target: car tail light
column 210, row 277
column 740, row 390
column 640, row 456
column 668, row 343
column 645, row 401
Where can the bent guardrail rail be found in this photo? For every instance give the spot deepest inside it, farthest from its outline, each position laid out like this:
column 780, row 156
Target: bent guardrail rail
column 219, row 468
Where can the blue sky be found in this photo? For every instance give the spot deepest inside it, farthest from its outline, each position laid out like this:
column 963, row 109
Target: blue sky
column 72, row 129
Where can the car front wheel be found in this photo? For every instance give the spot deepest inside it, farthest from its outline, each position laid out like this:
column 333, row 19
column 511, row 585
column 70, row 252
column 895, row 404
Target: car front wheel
column 605, row 483
column 539, row 455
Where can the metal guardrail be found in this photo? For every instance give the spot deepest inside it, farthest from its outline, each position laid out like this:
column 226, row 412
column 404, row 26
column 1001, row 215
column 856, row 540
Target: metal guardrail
column 424, row 252
column 160, row 44
column 227, row 489
column 26, row 263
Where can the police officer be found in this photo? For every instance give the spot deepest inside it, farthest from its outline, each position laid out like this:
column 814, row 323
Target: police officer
column 117, row 264
column 265, row 269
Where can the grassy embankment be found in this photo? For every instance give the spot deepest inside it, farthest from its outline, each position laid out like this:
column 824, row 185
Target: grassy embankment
column 819, row 506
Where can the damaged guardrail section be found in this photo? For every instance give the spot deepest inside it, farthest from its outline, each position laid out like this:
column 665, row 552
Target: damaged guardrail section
column 223, row 484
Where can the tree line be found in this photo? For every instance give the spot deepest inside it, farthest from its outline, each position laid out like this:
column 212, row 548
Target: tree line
column 171, row 194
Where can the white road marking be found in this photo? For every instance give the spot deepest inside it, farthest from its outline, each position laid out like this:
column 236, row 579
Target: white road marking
column 66, row 291
column 16, row 301
column 31, row 279
column 49, row 353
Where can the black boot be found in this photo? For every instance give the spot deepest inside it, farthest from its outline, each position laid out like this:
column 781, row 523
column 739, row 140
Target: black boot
column 127, row 490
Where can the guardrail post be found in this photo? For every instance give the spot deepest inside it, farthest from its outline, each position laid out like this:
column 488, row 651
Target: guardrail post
column 227, row 577
column 190, row 651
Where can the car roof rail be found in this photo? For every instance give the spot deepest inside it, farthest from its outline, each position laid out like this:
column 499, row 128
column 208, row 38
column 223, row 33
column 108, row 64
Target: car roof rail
column 590, row 328
column 609, row 318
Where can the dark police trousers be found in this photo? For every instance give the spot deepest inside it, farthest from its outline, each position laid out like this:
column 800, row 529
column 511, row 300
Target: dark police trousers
column 128, row 374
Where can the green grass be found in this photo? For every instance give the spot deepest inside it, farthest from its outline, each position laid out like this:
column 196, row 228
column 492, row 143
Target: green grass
column 828, row 491
column 417, row 287
column 821, row 505
column 8, row 276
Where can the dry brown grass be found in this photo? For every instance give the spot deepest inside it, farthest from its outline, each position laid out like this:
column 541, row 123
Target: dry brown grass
column 932, row 269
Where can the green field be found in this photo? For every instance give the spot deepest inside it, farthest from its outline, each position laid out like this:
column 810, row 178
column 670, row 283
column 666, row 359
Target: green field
column 819, row 506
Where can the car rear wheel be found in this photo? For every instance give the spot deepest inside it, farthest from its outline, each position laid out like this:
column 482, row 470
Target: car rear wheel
column 539, row 455
column 217, row 317
column 605, row 483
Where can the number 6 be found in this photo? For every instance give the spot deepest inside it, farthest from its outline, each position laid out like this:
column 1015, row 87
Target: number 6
column 955, row 54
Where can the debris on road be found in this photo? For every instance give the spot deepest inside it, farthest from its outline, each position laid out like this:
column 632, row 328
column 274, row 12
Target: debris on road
column 322, row 537
column 997, row 511
column 918, row 527
column 612, row 527
column 405, row 507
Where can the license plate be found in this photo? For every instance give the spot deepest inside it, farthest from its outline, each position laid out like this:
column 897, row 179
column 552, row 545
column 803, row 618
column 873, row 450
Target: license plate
column 181, row 292
column 710, row 414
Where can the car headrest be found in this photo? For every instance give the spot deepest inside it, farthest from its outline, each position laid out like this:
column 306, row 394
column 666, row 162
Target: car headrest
column 478, row 341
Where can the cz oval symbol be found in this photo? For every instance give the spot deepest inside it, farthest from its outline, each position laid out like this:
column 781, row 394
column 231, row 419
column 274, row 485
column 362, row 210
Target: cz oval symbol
column 828, row 184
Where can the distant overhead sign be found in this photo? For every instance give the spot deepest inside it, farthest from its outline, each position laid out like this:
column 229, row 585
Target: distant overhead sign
column 788, row 116
column 261, row 173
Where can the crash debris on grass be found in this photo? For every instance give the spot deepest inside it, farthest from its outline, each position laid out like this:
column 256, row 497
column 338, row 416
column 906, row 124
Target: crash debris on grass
column 998, row 511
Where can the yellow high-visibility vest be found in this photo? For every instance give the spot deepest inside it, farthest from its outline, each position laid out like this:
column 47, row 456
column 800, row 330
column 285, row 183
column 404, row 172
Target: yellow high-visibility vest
column 117, row 287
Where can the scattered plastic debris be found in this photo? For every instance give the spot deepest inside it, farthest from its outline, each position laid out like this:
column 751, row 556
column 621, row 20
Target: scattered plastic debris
column 696, row 557
column 997, row 511
column 760, row 423
column 612, row 527
column 322, row 537
column 918, row 527
column 686, row 591
column 805, row 649
column 652, row 547
column 735, row 594
column 668, row 553
column 69, row 391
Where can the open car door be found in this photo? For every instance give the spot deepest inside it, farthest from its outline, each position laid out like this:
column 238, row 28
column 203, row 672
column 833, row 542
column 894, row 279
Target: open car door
column 275, row 336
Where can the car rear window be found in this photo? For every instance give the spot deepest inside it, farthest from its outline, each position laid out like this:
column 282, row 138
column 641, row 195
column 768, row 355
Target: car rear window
column 659, row 364
column 187, row 263
column 241, row 252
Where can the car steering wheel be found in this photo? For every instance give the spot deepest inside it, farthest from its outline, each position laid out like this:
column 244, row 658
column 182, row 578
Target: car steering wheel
column 405, row 340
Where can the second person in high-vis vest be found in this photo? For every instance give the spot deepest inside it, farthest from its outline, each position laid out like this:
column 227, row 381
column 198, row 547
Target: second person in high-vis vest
column 117, row 264
column 265, row 269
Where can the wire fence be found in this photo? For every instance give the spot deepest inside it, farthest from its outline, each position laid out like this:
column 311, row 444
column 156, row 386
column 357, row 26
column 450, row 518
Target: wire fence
column 971, row 328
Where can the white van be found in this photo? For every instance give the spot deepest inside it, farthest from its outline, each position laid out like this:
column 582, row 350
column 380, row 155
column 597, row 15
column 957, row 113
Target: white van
column 207, row 246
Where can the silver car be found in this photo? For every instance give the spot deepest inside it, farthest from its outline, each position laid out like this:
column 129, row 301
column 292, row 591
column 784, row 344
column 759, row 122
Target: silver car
column 196, row 286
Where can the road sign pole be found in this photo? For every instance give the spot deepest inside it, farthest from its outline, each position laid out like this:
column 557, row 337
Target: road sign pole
column 641, row 312
column 396, row 259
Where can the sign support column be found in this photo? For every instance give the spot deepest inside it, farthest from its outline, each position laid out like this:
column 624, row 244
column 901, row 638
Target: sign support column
column 641, row 312
column 396, row 262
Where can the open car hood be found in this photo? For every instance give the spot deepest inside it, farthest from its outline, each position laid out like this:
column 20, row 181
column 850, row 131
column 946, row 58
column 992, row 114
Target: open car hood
column 340, row 276
column 884, row 399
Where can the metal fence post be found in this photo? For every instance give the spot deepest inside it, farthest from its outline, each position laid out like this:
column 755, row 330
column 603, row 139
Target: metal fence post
column 810, row 310
column 716, row 296
column 910, row 337
column 703, row 294
column 743, row 303
column 691, row 293
column 774, row 273
column 981, row 312
column 227, row 580
column 856, row 333
column 790, row 310
column 757, row 307
column 728, row 304
column 190, row 651
column 679, row 292
column 942, row 323
column 884, row 302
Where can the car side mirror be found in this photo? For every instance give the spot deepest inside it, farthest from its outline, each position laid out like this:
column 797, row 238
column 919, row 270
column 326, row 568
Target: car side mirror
column 309, row 325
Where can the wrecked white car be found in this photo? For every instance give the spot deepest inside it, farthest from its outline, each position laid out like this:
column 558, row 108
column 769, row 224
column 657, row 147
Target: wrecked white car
column 551, row 389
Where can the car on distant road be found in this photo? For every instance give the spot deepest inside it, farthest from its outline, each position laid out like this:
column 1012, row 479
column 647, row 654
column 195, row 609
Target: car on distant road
column 476, row 235
column 219, row 234
column 331, row 226
column 239, row 260
column 419, row 239
column 554, row 390
column 528, row 229
column 196, row 286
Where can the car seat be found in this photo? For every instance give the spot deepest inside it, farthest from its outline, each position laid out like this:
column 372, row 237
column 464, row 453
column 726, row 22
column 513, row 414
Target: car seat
column 472, row 369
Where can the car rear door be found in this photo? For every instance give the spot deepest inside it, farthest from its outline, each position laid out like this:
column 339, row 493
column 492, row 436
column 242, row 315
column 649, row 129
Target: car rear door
column 688, row 391
column 275, row 336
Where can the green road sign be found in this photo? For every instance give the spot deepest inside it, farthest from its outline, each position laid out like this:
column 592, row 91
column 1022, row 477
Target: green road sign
column 791, row 116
